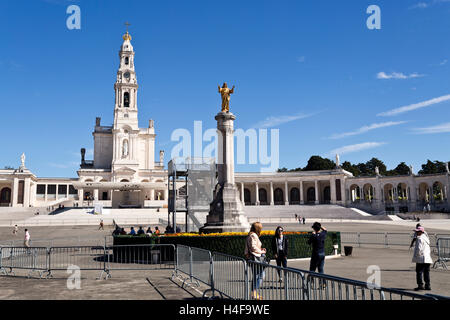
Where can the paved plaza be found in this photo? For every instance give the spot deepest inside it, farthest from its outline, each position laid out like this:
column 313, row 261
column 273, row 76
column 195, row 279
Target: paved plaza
column 397, row 271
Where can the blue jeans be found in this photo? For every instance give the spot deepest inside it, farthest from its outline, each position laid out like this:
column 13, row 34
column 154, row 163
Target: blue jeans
column 258, row 276
column 317, row 262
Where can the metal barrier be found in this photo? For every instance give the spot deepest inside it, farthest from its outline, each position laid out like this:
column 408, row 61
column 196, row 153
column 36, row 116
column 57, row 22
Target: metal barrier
column 88, row 258
column 443, row 248
column 32, row 259
column 236, row 278
column 229, row 276
column 326, row 287
column 386, row 239
column 140, row 257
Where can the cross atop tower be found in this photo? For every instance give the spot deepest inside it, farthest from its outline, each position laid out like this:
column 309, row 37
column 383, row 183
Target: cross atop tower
column 127, row 24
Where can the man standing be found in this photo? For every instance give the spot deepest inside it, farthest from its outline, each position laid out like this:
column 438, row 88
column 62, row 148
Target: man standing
column 26, row 241
column 317, row 240
column 422, row 259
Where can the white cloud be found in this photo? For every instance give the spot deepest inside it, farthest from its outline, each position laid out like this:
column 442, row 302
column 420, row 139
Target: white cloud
column 278, row 120
column 398, row 75
column 415, row 106
column 443, row 62
column 365, row 129
column 356, row 147
column 445, row 127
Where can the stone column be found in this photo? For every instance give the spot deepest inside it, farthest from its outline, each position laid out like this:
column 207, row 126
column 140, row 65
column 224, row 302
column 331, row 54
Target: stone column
column 15, row 192
column 316, row 190
column 333, row 190
column 286, row 193
column 152, row 194
column 302, row 200
column 26, row 193
column 80, row 196
column 46, row 192
column 95, row 194
column 343, row 197
column 271, row 194
column 166, row 194
column 226, row 212
column 257, row 194
column 242, row 194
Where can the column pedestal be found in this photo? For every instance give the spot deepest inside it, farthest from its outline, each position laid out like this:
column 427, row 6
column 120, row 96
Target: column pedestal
column 226, row 212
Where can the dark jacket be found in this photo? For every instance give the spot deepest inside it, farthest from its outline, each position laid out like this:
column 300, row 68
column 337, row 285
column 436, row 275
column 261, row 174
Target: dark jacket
column 275, row 247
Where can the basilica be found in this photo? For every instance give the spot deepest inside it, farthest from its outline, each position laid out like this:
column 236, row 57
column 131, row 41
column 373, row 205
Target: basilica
column 124, row 173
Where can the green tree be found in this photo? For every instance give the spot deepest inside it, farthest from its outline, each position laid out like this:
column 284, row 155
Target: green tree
column 353, row 169
column 319, row 163
column 401, row 169
column 372, row 163
column 433, row 167
column 284, row 169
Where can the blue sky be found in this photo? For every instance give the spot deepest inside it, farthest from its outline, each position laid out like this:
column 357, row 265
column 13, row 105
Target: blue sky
column 312, row 69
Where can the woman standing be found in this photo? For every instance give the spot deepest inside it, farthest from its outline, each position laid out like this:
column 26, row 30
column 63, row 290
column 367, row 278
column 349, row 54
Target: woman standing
column 255, row 253
column 280, row 249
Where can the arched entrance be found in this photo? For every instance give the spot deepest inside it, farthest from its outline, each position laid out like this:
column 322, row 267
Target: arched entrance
column 295, row 196
column 262, row 194
column 5, row 196
column 247, row 197
column 311, row 195
column 278, row 196
column 327, row 195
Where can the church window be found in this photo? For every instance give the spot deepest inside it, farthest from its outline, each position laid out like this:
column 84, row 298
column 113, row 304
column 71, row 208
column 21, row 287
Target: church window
column 126, row 60
column 126, row 100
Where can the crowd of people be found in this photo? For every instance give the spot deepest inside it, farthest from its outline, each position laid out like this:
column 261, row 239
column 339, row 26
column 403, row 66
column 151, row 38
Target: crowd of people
column 140, row 232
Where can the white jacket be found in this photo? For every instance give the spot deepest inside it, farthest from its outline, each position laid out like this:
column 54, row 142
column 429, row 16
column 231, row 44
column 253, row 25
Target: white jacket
column 422, row 251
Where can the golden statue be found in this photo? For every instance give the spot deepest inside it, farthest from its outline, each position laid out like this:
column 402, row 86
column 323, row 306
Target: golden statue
column 225, row 92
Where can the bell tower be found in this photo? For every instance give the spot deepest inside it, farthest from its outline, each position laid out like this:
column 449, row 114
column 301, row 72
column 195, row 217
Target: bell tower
column 125, row 110
column 126, row 126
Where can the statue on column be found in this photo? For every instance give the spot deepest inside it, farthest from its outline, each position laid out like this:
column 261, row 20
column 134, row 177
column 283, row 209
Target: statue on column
column 377, row 171
column 161, row 156
column 338, row 163
column 22, row 160
column 225, row 92
column 446, row 168
column 411, row 172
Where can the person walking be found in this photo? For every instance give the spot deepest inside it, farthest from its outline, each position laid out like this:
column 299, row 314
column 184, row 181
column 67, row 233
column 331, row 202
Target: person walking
column 101, row 225
column 280, row 249
column 254, row 252
column 26, row 241
column 422, row 259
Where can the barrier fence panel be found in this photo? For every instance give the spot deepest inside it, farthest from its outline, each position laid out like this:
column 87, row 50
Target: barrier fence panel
column 399, row 239
column 443, row 248
column 270, row 282
column 33, row 259
column 229, row 276
column 326, row 287
column 183, row 260
column 201, row 265
column 84, row 257
column 140, row 257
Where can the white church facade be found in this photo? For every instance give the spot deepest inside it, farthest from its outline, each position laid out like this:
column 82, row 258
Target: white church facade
column 124, row 173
